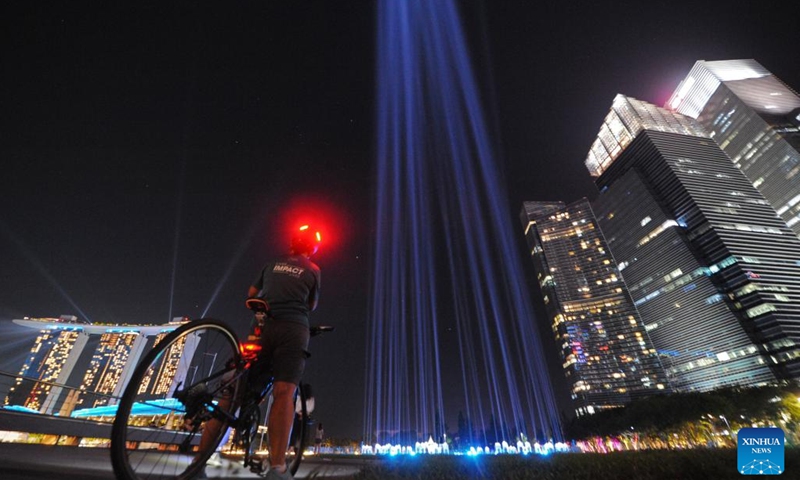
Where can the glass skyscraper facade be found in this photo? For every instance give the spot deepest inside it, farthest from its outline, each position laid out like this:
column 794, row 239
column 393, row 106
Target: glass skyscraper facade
column 713, row 270
column 755, row 118
column 608, row 358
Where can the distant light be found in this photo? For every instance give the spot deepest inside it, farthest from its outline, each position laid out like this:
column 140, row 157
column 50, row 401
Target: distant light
column 20, row 408
column 122, row 330
column 151, row 407
column 737, row 72
column 684, row 89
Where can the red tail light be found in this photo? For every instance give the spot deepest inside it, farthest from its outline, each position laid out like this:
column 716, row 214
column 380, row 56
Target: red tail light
column 249, row 350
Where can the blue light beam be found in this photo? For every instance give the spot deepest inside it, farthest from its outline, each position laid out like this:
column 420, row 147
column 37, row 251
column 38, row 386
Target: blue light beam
column 40, row 268
column 445, row 246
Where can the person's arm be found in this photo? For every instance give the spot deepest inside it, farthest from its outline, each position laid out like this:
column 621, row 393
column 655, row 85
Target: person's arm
column 313, row 299
column 313, row 296
column 257, row 286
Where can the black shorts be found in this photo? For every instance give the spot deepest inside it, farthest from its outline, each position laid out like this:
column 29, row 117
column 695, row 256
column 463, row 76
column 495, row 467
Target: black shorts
column 283, row 353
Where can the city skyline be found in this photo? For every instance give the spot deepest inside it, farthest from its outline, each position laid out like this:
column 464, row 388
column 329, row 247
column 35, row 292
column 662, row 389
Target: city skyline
column 151, row 154
column 755, row 119
column 707, row 260
column 710, row 263
column 58, row 349
column 114, row 341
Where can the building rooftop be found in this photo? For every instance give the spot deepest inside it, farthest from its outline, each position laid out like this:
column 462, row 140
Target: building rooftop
column 71, row 323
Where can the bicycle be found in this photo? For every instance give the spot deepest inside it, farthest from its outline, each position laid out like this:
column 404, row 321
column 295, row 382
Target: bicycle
column 198, row 373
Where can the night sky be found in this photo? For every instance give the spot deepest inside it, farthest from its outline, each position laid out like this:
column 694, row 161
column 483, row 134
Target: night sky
column 141, row 145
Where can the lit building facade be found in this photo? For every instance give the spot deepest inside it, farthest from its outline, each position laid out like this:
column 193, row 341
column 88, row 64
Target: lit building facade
column 51, row 360
column 56, row 352
column 160, row 380
column 112, row 363
column 755, row 118
column 712, row 269
column 608, row 358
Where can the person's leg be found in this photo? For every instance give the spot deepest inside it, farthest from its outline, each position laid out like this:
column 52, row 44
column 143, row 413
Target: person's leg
column 289, row 358
column 281, row 418
column 211, row 429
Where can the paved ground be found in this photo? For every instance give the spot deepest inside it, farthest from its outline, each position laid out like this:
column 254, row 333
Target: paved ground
column 39, row 462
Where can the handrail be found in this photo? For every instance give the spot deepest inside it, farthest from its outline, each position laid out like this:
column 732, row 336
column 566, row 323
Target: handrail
column 65, row 425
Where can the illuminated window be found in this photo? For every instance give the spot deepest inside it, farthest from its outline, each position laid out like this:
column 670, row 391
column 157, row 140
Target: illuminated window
column 760, row 310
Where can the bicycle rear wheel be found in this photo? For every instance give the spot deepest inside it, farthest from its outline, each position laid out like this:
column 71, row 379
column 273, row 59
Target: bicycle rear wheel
column 171, row 398
column 299, row 432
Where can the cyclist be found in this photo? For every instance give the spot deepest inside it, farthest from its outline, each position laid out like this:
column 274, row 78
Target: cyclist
column 290, row 285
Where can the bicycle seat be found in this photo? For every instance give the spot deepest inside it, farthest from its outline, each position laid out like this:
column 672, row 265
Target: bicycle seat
column 257, row 305
column 320, row 329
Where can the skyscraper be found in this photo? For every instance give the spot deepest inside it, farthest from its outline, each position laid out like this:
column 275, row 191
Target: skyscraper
column 58, row 347
column 112, row 363
column 755, row 118
column 714, row 272
column 51, row 360
column 607, row 356
column 160, row 380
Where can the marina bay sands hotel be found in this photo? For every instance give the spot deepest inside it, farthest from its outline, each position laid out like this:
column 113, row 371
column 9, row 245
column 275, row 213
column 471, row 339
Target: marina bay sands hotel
column 57, row 352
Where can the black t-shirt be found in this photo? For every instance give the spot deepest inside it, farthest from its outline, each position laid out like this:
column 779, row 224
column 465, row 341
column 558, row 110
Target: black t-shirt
column 289, row 285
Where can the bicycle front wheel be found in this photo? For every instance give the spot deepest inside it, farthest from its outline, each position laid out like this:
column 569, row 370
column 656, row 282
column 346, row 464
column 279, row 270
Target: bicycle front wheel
column 187, row 384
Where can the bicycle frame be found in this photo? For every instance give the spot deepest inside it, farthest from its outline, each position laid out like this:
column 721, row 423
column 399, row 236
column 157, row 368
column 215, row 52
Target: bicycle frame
column 250, row 400
column 224, row 396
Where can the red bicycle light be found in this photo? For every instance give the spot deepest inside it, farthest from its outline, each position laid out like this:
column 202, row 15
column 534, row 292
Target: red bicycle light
column 251, row 347
column 249, row 350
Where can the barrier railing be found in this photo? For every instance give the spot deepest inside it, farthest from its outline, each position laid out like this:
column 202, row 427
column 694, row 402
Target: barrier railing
column 36, row 411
